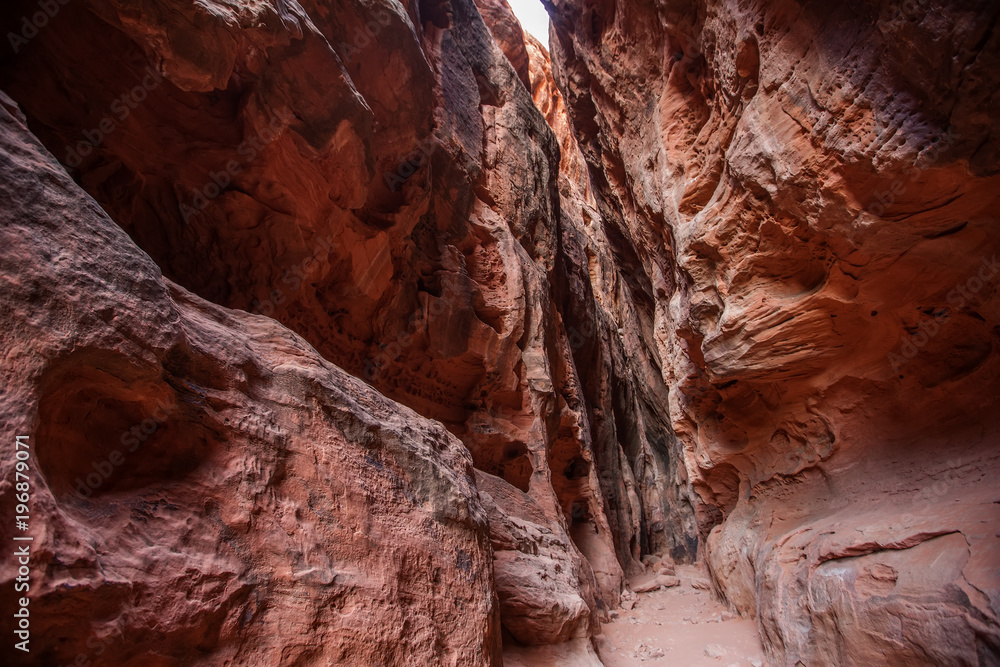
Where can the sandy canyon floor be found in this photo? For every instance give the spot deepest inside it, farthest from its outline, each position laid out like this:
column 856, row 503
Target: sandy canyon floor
column 681, row 625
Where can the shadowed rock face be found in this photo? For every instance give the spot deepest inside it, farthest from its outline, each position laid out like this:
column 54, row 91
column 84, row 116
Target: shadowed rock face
column 616, row 357
column 377, row 178
column 817, row 186
column 207, row 489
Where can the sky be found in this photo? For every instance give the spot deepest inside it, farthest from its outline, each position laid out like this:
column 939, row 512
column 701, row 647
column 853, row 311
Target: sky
column 533, row 18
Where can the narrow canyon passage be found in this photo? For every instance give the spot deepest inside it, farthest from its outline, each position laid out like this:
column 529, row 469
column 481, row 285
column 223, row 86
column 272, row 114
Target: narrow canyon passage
column 385, row 333
column 682, row 624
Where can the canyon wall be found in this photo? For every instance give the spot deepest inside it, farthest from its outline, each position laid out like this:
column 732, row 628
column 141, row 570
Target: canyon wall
column 810, row 192
column 376, row 178
column 385, row 338
column 208, row 489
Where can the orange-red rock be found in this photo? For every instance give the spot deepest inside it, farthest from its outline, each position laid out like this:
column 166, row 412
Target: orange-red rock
column 808, row 188
column 643, row 477
column 717, row 279
column 205, row 488
column 375, row 177
column 508, row 34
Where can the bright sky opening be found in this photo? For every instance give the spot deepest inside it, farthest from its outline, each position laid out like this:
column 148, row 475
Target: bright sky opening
column 533, row 18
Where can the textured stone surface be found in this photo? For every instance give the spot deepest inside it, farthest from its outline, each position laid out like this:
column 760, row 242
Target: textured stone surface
column 376, row 177
column 537, row 570
column 807, row 189
column 509, row 35
column 258, row 506
column 617, row 359
column 718, row 280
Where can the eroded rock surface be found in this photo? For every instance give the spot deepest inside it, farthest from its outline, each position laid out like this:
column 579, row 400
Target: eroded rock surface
column 815, row 186
column 716, row 280
column 611, row 306
column 377, row 178
column 206, row 488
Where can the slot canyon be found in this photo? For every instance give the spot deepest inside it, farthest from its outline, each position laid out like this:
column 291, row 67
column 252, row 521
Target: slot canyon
column 383, row 333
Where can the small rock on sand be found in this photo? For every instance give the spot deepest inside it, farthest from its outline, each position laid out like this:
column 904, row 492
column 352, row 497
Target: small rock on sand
column 646, row 587
column 714, row 651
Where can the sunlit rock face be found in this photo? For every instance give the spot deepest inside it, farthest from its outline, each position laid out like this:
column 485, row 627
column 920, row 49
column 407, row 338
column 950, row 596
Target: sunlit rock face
column 808, row 193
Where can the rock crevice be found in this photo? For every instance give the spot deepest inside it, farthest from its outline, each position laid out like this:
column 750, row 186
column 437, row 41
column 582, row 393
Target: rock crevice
column 376, row 333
